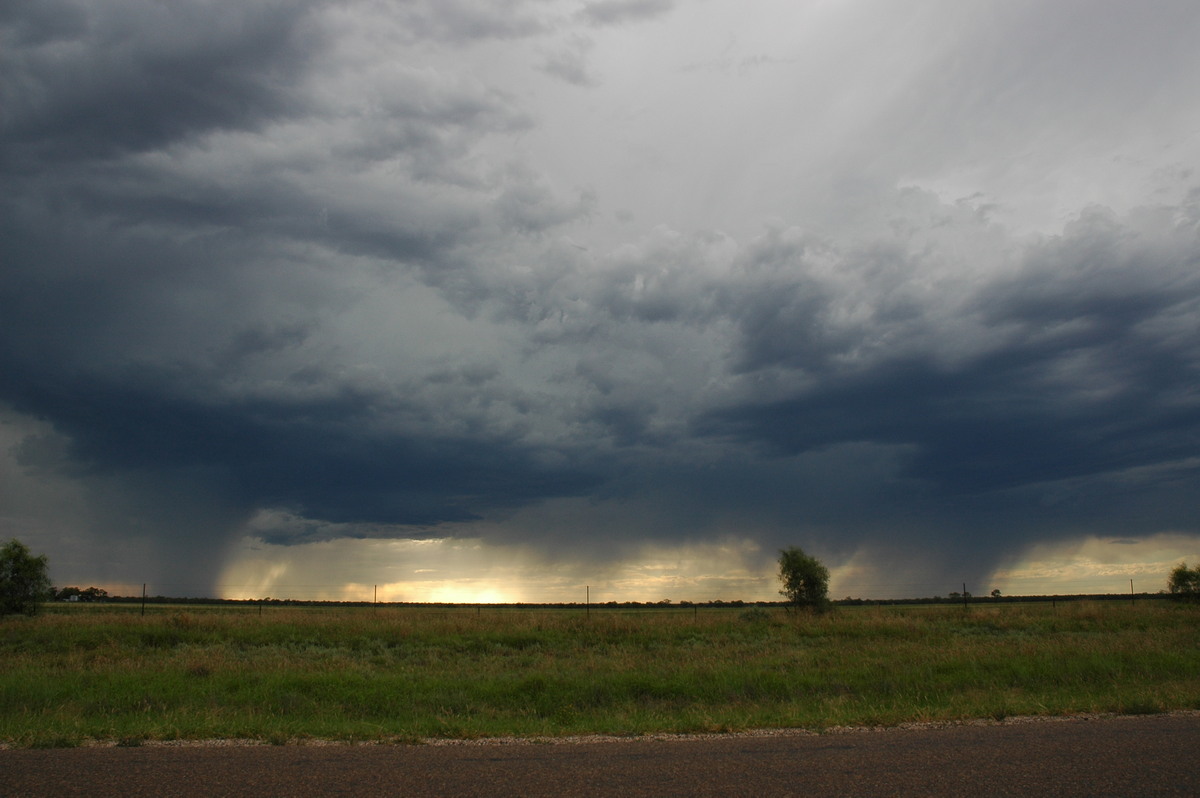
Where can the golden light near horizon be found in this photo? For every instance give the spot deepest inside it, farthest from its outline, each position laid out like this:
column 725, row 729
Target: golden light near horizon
column 475, row 572
column 469, row 594
column 471, row 571
column 1097, row 565
column 457, row 571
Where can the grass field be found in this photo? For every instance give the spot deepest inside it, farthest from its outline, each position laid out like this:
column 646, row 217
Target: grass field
column 105, row 672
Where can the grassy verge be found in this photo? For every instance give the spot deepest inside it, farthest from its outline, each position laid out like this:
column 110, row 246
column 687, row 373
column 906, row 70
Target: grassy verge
column 405, row 674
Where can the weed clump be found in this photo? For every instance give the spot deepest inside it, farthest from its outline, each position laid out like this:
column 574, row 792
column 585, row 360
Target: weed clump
column 755, row 615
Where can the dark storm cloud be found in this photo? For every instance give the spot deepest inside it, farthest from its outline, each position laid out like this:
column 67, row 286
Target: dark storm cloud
column 117, row 212
column 87, row 81
column 1081, row 366
column 328, row 459
column 147, row 245
column 1044, row 390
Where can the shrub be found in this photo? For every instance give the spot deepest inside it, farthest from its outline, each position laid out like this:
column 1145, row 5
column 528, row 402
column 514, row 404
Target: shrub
column 23, row 581
column 755, row 615
column 1184, row 581
column 805, row 580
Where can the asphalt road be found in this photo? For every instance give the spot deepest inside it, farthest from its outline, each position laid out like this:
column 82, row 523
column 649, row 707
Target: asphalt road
column 1123, row 756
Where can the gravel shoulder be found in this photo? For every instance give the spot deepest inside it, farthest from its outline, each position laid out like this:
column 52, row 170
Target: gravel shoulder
column 1065, row 757
column 590, row 739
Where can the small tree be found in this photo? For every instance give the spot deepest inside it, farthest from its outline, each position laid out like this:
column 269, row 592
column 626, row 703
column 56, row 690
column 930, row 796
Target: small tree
column 805, row 580
column 23, row 581
column 1184, row 581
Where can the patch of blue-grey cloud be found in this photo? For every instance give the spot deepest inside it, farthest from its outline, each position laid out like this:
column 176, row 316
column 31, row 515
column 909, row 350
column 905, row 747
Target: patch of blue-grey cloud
column 90, row 84
column 311, row 262
column 617, row 12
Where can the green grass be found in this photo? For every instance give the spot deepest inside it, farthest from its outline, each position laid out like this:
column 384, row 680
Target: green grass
column 403, row 674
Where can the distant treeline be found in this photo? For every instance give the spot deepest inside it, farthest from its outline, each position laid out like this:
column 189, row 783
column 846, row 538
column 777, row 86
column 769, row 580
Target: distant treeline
column 715, row 604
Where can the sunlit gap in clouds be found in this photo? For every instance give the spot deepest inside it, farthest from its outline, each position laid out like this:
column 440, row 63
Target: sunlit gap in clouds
column 1097, row 565
column 1088, row 565
column 471, row 571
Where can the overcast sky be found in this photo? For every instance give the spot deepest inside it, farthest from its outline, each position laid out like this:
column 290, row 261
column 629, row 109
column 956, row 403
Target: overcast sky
column 495, row 300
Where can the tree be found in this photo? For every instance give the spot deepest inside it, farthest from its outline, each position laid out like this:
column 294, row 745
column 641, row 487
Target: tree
column 72, row 593
column 23, row 581
column 1185, row 581
column 805, row 580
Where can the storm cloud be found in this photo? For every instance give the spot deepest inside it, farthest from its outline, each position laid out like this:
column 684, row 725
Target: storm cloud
column 583, row 278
